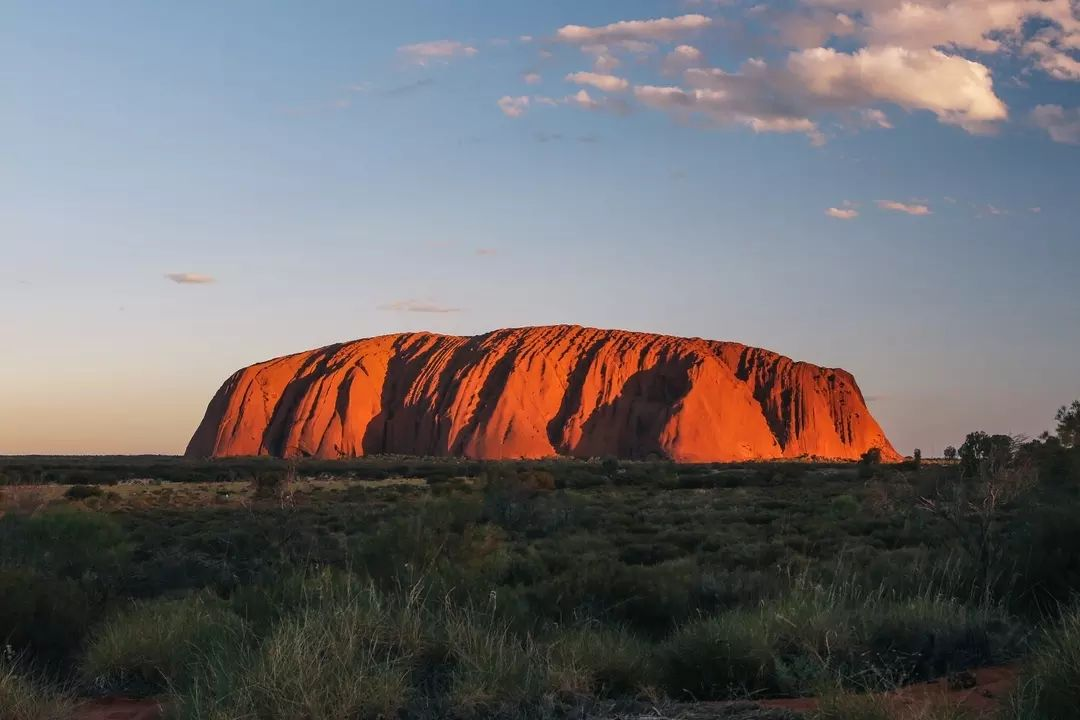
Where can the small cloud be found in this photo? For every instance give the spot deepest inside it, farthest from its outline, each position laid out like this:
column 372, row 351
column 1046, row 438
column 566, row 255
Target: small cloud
column 486, row 252
column 585, row 101
column 187, row 278
column 909, row 208
column 842, row 213
column 1036, row 210
column 543, row 137
column 416, row 306
column 588, row 139
column 532, row 78
column 607, row 83
column 525, row 38
column 1061, row 125
column 994, row 210
column 435, row 51
column 513, row 106
column 949, row 199
column 874, row 118
column 682, row 58
column 361, row 87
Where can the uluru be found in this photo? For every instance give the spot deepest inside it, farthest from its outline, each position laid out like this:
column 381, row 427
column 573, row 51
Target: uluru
column 540, row 392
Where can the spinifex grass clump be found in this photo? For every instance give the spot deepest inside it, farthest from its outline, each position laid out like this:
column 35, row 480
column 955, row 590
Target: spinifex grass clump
column 158, row 643
column 795, row 644
column 24, row 698
column 1049, row 687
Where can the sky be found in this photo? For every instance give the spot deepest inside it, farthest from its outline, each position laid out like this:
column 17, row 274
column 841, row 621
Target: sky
column 187, row 188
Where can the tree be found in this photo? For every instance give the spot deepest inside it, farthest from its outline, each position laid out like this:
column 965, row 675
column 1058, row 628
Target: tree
column 1068, row 424
column 975, row 510
column 950, row 453
column 979, row 449
column 916, row 458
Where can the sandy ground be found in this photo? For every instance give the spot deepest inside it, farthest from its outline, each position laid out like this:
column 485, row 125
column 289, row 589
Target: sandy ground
column 991, row 686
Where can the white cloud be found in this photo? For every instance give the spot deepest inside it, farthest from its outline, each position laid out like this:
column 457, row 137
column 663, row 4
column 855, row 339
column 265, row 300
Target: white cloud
column 417, row 306
column 513, row 106
column 436, row 50
column 607, row 83
column 532, row 78
column 957, row 90
column 658, row 30
column 787, row 98
column 909, row 208
column 842, row 213
column 988, row 26
column 1061, row 124
column 681, row 58
column 187, row 278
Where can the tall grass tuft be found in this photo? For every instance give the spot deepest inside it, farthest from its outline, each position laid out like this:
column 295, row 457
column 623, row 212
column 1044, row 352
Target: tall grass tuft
column 606, row 662
column 350, row 655
column 492, row 671
column 22, row 698
column 1049, row 686
column 155, row 644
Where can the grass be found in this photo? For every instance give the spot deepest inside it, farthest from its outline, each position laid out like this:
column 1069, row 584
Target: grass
column 1049, row 687
column 25, row 698
column 500, row 590
column 155, row 644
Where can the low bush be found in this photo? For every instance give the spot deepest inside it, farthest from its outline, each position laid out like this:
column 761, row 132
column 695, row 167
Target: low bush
column 44, row 616
column 82, row 492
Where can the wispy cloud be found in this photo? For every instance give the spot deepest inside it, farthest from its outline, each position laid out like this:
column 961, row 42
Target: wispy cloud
column 909, row 208
column 417, row 306
column 845, row 213
column 407, row 88
column 658, row 30
column 1062, row 125
column 187, row 278
column 426, row 53
column 532, row 78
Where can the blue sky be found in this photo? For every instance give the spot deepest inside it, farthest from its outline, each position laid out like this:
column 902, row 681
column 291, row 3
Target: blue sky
column 346, row 169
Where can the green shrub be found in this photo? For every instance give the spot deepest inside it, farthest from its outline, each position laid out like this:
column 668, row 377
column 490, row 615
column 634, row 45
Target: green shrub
column 22, row 698
column 155, row 644
column 43, row 616
column 82, row 492
column 87, row 546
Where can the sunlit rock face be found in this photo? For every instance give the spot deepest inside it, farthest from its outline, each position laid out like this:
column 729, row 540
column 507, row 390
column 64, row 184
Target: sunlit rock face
column 540, row 392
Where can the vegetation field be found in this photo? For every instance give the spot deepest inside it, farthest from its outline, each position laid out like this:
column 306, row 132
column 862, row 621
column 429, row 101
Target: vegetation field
column 430, row 588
